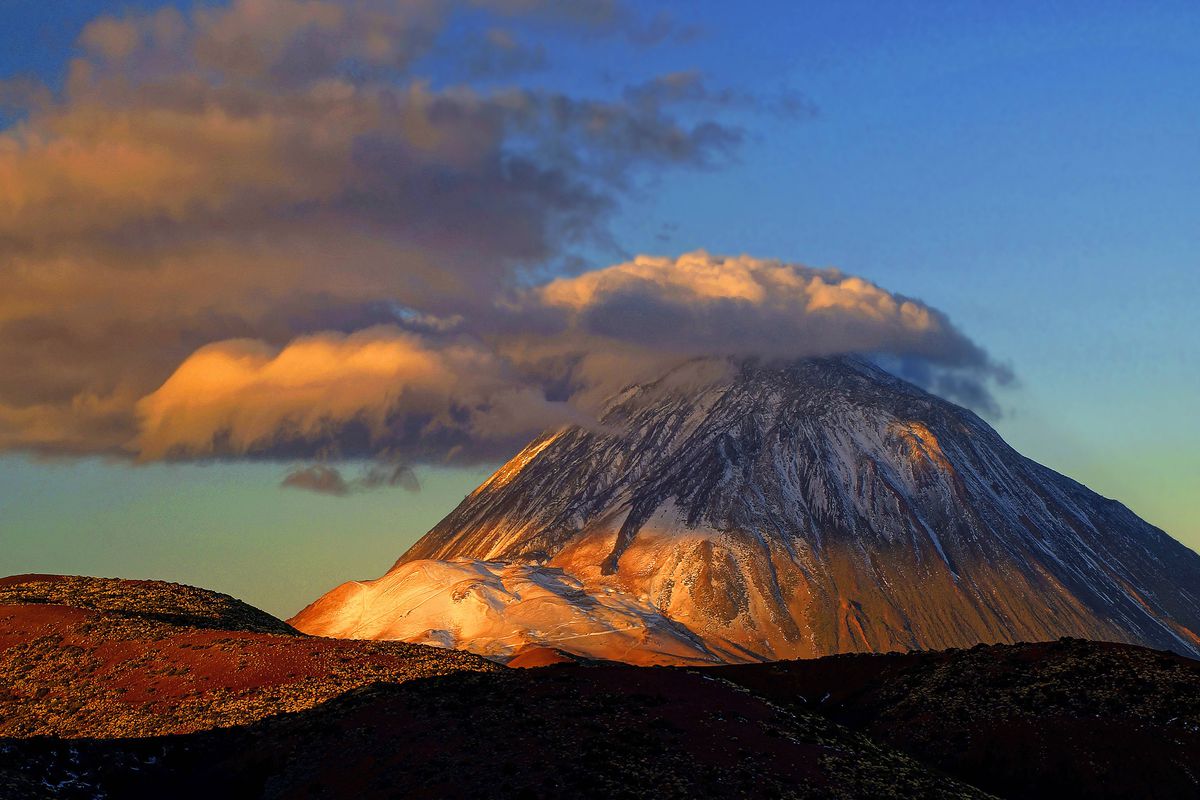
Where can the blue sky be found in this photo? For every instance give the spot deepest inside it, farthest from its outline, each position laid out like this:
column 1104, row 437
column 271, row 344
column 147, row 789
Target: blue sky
column 1031, row 169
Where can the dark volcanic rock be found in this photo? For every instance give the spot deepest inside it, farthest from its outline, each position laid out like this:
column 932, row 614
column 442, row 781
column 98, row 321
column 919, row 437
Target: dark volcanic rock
column 85, row 696
column 567, row 731
column 1051, row 720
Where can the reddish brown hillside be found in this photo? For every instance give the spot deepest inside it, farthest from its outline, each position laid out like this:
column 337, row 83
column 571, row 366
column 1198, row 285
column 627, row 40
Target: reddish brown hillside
column 94, row 657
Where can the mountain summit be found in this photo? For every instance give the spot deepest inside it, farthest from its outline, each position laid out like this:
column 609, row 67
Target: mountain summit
column 747, row 511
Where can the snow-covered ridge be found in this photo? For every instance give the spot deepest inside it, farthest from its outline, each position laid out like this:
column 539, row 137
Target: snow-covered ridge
column 500, row 610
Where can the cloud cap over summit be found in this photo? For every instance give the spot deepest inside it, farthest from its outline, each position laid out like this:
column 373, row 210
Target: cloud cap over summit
column 474, row 390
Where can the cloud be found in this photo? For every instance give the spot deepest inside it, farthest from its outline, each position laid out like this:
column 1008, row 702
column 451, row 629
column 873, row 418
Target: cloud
column 327, row 479
column 271, row 169
column 692, row 87
column 317, row 478
column 498, row 53
column 699, row 304
column 475, row 389
column 400, row 475
column 601, row 17
column 344, row 396
column 636, row 319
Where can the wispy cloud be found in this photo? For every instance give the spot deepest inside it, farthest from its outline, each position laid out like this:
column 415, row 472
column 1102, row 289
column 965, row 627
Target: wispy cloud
column 317, row 478
column 328, row 479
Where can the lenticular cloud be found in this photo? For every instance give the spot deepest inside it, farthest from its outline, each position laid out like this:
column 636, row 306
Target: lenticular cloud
column 475, row 388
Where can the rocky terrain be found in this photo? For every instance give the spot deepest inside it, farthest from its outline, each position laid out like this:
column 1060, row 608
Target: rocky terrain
column 763, row 511
column 564, row 731
column 148, row 601
column 1070, row 718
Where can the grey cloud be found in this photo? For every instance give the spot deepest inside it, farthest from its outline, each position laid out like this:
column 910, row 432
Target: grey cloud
column 254, row 231
column 966, row 381
column 328, row 479
column 692, row 87
column 396, row 475
column 601, row 17
column 498, row 53
column 317, row 478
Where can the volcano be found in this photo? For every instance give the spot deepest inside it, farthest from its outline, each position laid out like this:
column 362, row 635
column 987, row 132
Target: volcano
column 744, row 511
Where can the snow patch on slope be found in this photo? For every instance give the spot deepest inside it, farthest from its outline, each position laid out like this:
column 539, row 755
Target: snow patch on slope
column 499, row 610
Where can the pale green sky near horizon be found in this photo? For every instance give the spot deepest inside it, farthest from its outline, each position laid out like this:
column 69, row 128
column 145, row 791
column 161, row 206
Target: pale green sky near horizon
column 230, row 527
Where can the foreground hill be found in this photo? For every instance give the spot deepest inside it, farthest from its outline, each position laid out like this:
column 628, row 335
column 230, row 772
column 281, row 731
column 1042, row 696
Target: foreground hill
column 98, row 657
column 1061, row 719
column 563, row 731
column 94, row 671
column 745, row 512
column 150, row 601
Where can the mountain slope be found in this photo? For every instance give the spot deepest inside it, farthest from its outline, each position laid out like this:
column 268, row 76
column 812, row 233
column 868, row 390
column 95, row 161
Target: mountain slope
column 817, row 507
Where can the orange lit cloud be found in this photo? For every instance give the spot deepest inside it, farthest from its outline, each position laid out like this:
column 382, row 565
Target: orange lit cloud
column 741, row 305
column 636, row 319
column 377, row 390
